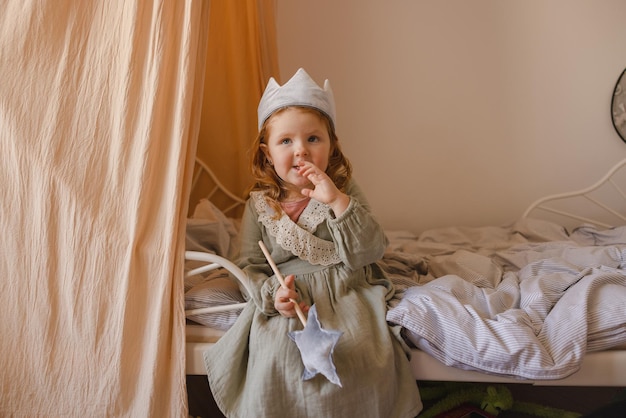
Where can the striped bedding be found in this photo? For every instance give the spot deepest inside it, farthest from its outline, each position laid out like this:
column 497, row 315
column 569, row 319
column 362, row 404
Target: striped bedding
column 527, row 301
column 209, row 230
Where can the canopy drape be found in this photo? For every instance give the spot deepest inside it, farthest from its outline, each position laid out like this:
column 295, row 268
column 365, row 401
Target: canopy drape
column 98, row 129
column 242, row 56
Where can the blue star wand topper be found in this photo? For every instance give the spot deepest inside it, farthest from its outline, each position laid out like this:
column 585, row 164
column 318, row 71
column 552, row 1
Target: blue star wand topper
column 316, row 345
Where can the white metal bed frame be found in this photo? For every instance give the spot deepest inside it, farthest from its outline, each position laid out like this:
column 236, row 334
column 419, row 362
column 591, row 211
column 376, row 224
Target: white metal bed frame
column 618, row 212
column 202, row 170
column 604, row 368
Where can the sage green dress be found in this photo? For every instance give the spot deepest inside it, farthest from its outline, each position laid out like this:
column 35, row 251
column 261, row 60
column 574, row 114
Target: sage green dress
column 255, row 369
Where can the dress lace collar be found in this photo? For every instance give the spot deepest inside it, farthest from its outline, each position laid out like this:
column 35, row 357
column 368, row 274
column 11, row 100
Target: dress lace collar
column 298, row 238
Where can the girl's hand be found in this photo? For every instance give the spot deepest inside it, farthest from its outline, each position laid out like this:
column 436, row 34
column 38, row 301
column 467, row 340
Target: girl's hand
column 281, row 301
column 324, row 189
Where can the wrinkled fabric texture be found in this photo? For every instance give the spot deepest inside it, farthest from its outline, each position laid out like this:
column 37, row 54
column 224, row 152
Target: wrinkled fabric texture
column 527, row 300
column 98, row 127
column 255, row 369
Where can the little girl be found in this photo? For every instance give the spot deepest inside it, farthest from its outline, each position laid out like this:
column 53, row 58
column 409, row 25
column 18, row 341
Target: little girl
column 317, row 225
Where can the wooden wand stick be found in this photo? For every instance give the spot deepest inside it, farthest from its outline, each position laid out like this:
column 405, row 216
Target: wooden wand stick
column 282, row 281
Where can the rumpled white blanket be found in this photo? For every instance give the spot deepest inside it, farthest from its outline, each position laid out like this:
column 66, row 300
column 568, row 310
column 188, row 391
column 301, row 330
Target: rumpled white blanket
column 526, row 301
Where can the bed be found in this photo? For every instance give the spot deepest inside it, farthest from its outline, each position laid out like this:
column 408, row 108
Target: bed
column 539, row 301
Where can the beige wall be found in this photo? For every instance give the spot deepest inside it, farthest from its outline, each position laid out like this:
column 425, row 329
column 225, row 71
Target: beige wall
column 463, row 113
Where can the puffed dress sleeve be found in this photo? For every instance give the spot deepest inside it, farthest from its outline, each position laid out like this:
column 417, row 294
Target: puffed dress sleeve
column 359, row 238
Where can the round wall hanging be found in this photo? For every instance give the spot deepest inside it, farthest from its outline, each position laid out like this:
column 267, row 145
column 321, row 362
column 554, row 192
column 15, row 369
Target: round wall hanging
column 618, row 106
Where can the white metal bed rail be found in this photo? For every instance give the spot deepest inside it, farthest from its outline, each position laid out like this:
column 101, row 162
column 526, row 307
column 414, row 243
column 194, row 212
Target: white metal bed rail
column 217, row 186
column 618, row 212
column 214, row 262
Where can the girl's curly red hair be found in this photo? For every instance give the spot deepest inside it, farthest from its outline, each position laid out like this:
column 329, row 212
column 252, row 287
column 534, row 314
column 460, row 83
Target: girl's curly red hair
column 339, row 168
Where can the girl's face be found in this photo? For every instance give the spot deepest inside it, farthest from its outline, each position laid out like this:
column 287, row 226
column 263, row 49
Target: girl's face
column 294, row 136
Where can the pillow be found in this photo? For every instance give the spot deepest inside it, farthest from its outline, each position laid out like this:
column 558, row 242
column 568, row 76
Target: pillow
column 209, row 230
column 217, row 289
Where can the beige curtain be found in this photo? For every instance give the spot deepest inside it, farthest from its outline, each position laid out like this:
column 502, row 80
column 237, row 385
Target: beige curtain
column 242, row 55
column 98, row 128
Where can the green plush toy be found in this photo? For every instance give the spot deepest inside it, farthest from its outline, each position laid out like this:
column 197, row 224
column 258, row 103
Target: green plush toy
column 492, row 399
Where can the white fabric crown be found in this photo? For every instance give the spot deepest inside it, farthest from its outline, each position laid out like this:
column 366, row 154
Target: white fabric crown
column 300, row 90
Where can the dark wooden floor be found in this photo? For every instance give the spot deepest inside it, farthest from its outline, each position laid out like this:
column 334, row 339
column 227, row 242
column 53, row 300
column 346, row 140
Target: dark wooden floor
column 587, row 401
